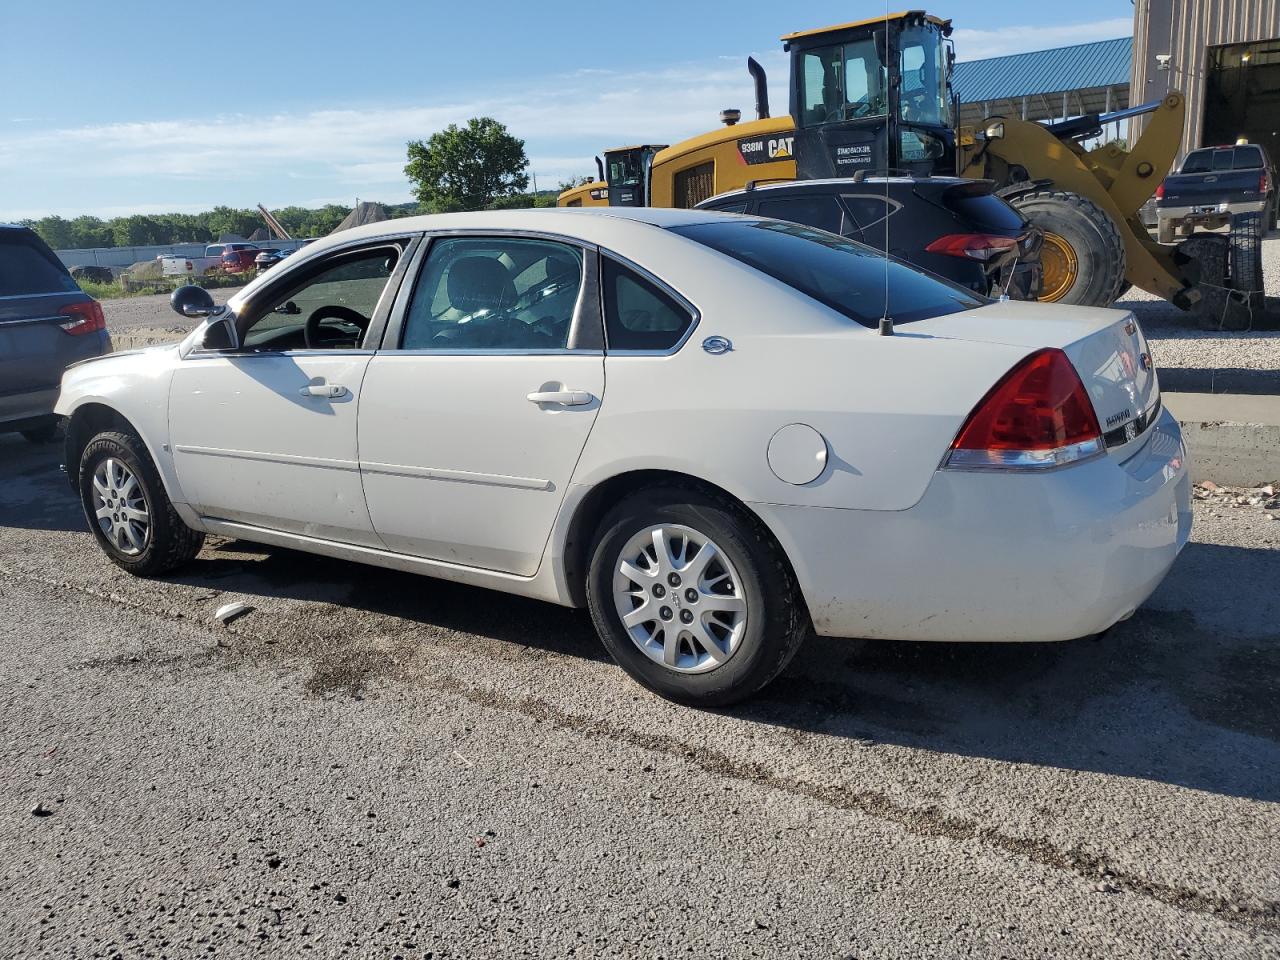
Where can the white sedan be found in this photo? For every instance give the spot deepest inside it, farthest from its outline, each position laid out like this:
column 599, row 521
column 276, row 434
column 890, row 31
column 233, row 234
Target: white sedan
column 716, row 432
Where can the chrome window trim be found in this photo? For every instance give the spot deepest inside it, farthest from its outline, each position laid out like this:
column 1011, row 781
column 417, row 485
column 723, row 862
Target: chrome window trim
column 393, row 335
column 201, row 353
column 496, row 352
column 661, row 285
column 56, row 293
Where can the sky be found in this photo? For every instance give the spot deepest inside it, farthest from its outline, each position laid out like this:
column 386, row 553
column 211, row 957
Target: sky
column 143, row 107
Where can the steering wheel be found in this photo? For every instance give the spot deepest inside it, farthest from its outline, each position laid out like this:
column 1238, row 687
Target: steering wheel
column 311, row 329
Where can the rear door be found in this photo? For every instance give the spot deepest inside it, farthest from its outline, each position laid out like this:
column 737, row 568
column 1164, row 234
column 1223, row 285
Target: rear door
column 476, row 410
column 34, row 286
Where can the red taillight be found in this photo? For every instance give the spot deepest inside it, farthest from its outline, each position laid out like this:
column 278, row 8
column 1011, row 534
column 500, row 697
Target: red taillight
column 1039, row 415
column 1160, row 191
column 83, row 318
column 975, row 246
column 1262, row 183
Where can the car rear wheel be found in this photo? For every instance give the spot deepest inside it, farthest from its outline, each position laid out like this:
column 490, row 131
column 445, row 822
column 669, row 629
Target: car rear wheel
column 128, row 511
column 1083, row 257
column 693, row 598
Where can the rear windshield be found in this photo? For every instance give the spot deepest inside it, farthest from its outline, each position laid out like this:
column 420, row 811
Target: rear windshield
column 987, row 212
column 1247, row 157
column 848, row 277
column 26, row 269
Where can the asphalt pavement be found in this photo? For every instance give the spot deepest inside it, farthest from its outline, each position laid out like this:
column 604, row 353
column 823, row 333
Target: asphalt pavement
column 371, row 764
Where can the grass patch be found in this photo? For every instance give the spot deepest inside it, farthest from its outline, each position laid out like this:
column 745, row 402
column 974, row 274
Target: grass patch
column 146, row 288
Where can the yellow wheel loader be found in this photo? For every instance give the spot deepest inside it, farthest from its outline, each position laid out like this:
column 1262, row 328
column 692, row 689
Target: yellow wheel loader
column 593, row 193
column 875, row 96
column 625, row 184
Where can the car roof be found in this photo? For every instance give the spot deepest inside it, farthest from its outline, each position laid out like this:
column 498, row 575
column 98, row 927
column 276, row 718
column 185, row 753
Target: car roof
column 591, row 224
column 825, row 185
column 614, row 227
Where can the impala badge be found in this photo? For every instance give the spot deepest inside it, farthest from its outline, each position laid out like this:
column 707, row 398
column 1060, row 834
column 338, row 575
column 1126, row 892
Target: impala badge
column 717, row 345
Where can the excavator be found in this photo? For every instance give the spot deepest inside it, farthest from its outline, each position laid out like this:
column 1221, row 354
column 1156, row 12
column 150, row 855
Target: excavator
column 875, row 97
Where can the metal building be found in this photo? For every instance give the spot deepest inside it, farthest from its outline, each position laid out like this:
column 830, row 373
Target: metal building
column 1046, row 84
column 1224, row 55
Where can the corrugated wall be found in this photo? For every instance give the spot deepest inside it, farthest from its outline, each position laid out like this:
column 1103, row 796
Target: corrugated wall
column 1185, row 29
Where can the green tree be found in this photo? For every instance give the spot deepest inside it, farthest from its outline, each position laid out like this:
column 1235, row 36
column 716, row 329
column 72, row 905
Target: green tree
column 137, row 231
column 225, row 220
column 54, row 231
column 467, row 168
column 89, row 232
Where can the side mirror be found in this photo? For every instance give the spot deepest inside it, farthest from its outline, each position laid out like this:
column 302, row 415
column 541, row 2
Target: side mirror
column 220, row 332
column 192, row 301
column 289, row 308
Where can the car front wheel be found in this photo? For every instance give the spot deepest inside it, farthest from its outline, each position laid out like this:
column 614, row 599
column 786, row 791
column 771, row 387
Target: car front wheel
column 128, row 510
column 693, row 598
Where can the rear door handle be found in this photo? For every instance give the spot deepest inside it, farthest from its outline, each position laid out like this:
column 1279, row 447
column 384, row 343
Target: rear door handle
column 565, row 398
column 330, row 391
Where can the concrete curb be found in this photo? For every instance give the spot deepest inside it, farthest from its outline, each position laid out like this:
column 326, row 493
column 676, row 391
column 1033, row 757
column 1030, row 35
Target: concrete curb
column 1232, row 439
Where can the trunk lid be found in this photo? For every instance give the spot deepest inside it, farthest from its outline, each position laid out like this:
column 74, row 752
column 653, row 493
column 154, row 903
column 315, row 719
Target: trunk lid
column 34, row 286
column 1107, row 348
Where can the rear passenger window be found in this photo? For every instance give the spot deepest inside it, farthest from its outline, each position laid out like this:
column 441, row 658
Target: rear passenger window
column 639, row 315
column 824, row 213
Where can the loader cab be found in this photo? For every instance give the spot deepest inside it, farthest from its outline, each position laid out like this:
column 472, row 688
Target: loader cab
column 627, row 173
column 873, row 95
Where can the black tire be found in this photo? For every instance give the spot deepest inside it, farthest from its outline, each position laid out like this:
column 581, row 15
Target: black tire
column 1247, row 230
column 1090, row 234
column 777, row 621
column 43, row 432
column 169, row 543
column 1217, row 309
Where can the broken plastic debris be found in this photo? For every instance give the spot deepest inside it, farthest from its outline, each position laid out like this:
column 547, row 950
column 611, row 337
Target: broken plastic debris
column 232, row 611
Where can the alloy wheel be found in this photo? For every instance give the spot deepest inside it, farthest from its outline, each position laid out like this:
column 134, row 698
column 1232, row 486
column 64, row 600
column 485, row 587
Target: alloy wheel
column 121, row 507
column 679, row 598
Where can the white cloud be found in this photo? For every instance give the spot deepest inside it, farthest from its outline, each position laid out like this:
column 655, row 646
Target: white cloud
column 564, row 120
column 280, row 158
column 980, row 44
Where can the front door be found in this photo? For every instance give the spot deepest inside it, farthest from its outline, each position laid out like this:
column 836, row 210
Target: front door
column 266, row 435
column 474, row 416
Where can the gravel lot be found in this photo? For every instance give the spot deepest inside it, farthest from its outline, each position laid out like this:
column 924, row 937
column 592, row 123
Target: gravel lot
column 375, row 765
column 1237, row 362
column 142, row 321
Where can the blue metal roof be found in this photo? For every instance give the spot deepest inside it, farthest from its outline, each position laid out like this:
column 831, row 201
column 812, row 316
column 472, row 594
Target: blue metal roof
column 1106, row 63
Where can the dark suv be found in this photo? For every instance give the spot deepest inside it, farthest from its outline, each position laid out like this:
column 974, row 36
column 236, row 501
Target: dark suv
column 46, row 323
column 957, row 229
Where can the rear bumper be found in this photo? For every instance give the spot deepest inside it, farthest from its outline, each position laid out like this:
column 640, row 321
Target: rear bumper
column 997, row 556
column 38, row 401
column 1197, row 214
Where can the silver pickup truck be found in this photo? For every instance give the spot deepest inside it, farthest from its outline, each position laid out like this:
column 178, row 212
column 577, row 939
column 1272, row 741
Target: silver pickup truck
column 1214, row 183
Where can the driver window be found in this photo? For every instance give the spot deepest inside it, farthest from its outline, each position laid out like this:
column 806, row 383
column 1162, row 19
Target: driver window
column 496, row 293
column 330, row 310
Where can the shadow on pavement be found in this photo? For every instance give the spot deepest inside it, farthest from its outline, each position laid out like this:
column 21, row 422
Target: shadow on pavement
column 1159, row 698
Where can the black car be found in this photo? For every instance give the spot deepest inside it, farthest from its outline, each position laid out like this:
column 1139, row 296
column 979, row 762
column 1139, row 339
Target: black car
column 957, row 229
column 269, row 258
column 47, row 323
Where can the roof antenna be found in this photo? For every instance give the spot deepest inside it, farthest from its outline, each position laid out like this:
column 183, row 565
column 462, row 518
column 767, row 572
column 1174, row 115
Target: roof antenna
column 886, row 321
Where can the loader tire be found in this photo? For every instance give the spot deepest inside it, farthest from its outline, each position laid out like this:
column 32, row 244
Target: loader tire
column 1083, row 255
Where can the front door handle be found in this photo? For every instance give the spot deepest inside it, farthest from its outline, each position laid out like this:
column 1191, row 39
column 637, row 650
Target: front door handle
column 565, row 398
column 330, row 391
